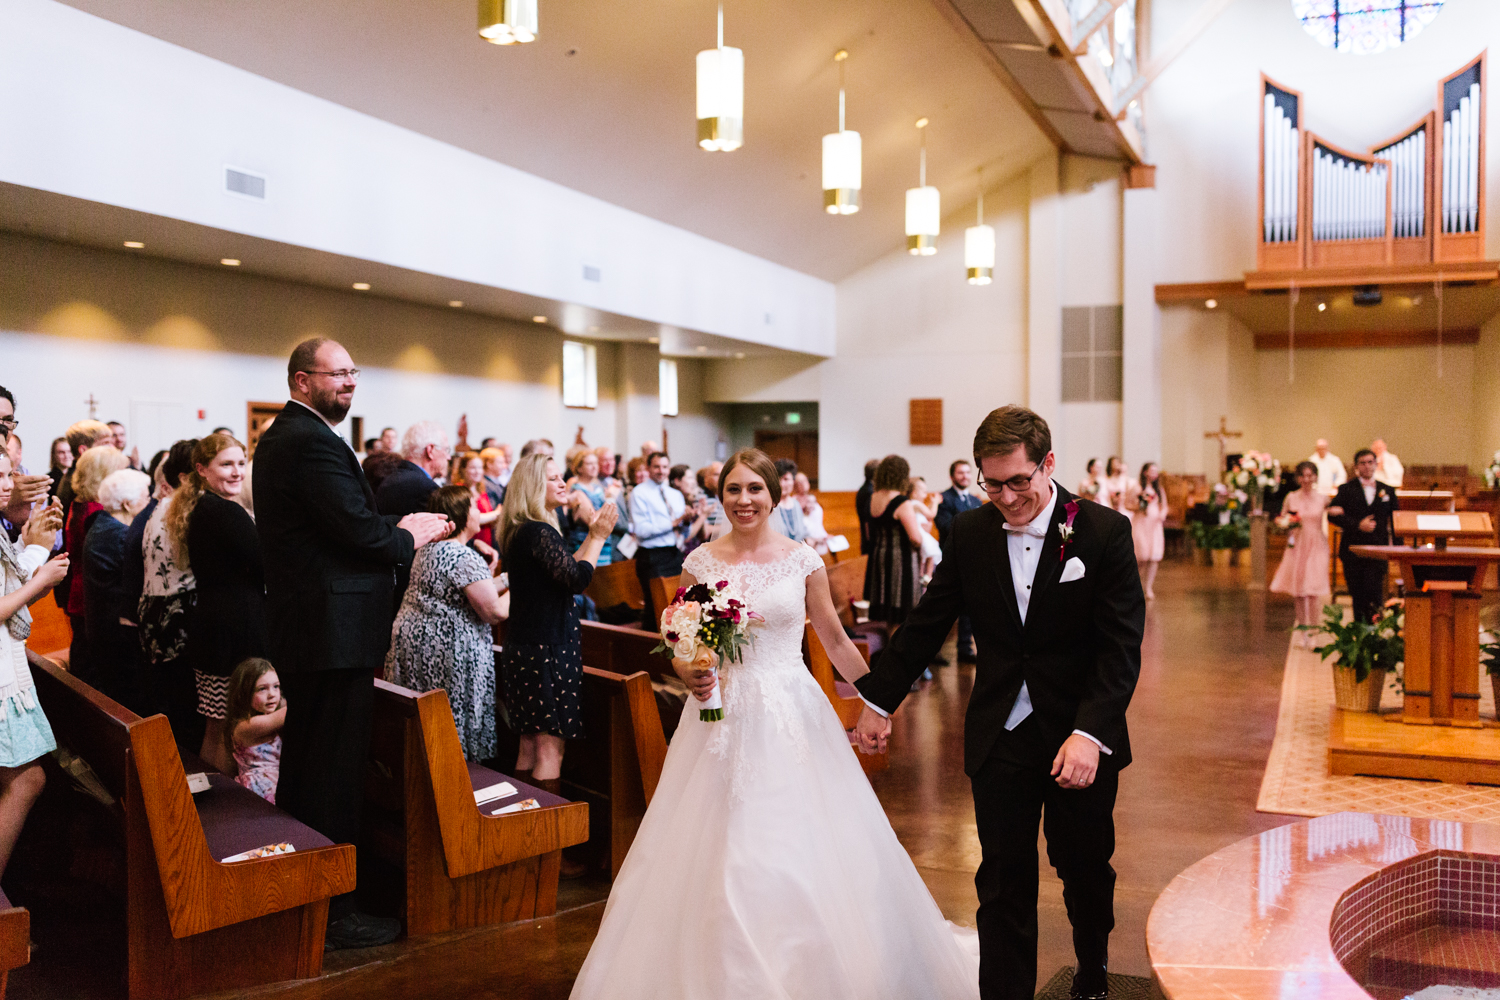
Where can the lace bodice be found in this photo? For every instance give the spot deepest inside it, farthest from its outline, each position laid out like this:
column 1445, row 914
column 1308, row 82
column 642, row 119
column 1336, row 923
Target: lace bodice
column 772, row 683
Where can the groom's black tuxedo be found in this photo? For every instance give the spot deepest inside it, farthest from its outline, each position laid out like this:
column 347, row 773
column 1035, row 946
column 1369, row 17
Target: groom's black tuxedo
column 1079, row 654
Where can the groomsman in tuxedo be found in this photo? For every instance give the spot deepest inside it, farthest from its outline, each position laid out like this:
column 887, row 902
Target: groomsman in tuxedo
column 1362, row 509
column 1052, row 588
column 957, row 499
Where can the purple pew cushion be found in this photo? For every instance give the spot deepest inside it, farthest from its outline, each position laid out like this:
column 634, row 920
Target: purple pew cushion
column 482, row 777
column 4, row 903
column 844, row 689
column 236, row 820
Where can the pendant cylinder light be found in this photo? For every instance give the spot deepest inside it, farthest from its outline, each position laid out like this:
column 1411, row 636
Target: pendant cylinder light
column 507, row 22
column 923, row 207
column 721, row 96
column 979, row 246
column 841, row 160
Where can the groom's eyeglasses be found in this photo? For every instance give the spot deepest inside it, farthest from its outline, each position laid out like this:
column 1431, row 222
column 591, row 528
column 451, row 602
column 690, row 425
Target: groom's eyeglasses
column 1015, row 484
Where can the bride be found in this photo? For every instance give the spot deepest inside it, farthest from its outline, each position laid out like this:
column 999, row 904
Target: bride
column 765, row 867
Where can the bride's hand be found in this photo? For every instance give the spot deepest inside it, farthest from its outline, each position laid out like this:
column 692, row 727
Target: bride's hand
column 698, row 673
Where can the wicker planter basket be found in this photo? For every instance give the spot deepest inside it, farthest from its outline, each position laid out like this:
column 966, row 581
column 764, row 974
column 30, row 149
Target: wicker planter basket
column 1352, row 697
column 1221, row 558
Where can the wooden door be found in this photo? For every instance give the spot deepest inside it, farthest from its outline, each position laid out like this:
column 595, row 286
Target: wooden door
column 799, row 446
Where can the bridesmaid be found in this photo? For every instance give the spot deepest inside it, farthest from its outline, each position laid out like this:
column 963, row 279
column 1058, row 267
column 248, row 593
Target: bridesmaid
column 1147, row 521
column 1089, row 486
column 1303, row 572
column 1116, row 492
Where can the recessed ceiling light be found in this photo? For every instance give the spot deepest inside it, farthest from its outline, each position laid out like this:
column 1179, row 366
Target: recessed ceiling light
column 456, row 303
column 701, row 348
column 653, row 340
column 229, row 262
column 739, row 355
column 135, row 244
column 1211, row 303
column 1322, row 306
column 539, row 319
column 593, row 329
column 361, row 286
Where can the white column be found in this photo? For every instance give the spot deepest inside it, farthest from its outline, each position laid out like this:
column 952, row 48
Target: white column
column 1044, row 293
column 639, row 404
column 1140, row 424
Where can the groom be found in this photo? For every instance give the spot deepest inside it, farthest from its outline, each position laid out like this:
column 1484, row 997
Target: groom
column 1052, row 589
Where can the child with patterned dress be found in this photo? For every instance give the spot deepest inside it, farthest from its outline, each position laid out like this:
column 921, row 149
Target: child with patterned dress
column 253, row 720
column 25, row 734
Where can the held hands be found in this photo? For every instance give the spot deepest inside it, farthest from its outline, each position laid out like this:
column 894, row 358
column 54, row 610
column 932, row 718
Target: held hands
column 425, row 528
column 873, row 731
column 1076, row 763
column 604, row 521
column 697, row 673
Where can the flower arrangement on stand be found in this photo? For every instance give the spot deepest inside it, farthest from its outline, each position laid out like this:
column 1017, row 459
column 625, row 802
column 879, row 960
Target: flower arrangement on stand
column 1226, row 528
column 1254, row 473
column 1362, row 653
column 1492, row 472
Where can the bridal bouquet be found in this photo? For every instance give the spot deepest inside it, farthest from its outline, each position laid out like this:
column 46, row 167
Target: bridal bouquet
column 702, row 620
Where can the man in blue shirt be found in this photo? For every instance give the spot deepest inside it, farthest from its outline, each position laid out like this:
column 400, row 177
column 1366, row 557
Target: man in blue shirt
column 956, row 500
column 656, row 510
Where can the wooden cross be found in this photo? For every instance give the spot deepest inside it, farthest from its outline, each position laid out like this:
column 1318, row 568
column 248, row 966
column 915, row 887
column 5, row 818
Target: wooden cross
column 93, row 407
column 1223, row 434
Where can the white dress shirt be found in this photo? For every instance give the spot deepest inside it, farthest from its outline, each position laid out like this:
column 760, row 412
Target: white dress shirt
column 1024, row 547
column 1389, row 470
column 1368, row 485
column 1331, row 474
column 654, row 511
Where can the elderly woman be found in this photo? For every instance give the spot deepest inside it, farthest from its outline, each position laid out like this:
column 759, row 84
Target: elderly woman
column 216, row 537
column 441, row 637
column 110, row 617
column 168, row 596
column 543, row 658
column 91, row 469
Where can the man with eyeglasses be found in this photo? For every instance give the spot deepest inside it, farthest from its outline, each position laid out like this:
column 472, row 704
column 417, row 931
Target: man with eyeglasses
column 330, row 559
column 1052, row 590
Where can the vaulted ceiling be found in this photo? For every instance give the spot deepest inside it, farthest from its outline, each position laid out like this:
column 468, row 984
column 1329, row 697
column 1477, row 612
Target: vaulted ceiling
column 603, row 101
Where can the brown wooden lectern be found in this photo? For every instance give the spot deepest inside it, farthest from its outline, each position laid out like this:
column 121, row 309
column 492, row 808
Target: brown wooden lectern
column 1443, row 588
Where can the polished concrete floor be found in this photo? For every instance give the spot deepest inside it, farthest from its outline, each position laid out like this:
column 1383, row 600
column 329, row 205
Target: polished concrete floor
column 1201, row 727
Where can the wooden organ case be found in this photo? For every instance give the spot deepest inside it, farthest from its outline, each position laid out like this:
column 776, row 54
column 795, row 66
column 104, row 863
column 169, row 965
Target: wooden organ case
column 1415, row 199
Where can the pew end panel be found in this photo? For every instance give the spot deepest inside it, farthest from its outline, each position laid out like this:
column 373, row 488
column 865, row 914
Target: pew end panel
column 616, row 584
column 616, row 770
column 15, row 939
column 463, row 868
column 663, row 591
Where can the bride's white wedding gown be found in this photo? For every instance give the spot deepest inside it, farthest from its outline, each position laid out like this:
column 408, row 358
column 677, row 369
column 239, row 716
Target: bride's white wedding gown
column 765, row 867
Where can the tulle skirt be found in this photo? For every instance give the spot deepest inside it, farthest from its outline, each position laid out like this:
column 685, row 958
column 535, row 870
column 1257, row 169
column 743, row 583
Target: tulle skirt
column 766, row 868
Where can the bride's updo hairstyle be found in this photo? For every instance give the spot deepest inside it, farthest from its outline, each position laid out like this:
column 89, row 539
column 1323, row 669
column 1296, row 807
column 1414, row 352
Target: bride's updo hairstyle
column 757, row 462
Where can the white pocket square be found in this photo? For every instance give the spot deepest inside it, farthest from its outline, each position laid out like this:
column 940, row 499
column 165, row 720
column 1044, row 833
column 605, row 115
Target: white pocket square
column 1073, row 570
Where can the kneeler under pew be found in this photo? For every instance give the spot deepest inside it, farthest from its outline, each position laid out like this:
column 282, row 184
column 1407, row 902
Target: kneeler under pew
column 15, row 939
column 193, row 923
column 463, row 866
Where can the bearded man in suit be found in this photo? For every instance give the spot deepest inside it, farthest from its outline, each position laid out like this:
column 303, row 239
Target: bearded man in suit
column 1051, row 587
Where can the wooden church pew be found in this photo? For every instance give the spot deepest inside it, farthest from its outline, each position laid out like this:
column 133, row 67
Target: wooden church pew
column 194, row 924
column 463, row 867
column 663, row 592
column 616, row 769
column 15, row 939
column 616, row 584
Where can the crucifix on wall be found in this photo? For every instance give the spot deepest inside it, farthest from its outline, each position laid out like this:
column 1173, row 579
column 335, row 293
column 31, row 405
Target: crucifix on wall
column 93, row 407
column 1223, row 434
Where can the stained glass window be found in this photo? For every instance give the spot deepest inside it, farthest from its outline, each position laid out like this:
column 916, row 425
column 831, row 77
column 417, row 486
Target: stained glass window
column 1365, row 27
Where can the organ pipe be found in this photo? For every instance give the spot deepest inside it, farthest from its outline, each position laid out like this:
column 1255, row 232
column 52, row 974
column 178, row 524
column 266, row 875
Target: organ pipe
column 1280, row 167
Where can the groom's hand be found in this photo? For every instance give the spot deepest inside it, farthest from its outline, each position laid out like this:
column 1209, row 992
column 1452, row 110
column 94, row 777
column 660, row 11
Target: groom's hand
column 1075, row 764
column 873, row 730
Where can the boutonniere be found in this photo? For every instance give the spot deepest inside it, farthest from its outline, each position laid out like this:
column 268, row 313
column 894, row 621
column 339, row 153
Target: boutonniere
column 1065, row 530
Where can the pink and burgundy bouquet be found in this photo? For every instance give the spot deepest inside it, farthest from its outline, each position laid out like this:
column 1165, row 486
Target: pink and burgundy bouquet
column 701, row 620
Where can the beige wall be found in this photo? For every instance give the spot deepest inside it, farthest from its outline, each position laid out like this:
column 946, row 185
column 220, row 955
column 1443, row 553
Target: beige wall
column 141, row 334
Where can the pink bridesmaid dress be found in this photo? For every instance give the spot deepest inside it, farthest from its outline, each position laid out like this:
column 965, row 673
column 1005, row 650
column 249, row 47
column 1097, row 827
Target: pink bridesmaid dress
column 1148, row 526
column 1304, row 568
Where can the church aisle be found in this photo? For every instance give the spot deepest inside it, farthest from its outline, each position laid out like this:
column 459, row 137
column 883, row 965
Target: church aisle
column 1201, row 724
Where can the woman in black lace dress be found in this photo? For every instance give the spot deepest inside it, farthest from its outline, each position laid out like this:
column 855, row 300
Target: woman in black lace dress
column 893, row 575
column 543, row 660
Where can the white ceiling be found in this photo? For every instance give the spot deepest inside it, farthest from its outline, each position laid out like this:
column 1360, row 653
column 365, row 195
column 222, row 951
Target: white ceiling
column 603, row 101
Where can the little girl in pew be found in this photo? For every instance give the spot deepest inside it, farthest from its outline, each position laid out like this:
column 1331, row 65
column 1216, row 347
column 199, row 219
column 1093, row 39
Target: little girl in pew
column 256, row 711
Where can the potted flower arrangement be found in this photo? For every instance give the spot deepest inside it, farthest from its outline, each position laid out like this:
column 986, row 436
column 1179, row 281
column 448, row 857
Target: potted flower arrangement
column 1492, row 472
column 1226, row 528
column 1254, row 473
column 1362, row 652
